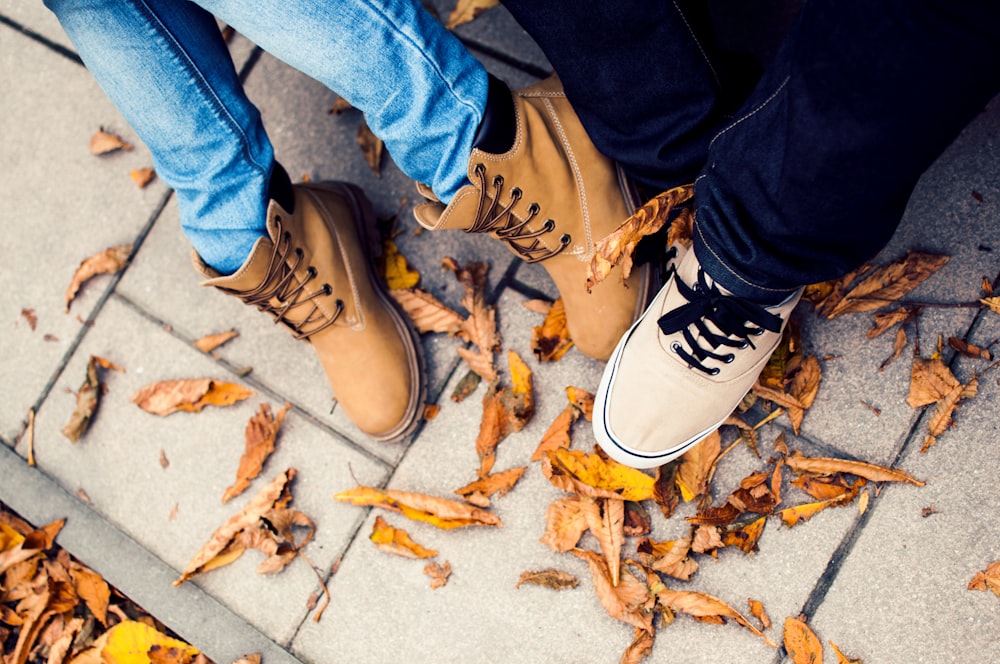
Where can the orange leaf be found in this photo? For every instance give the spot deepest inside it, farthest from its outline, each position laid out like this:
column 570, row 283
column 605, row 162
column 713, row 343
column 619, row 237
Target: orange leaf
column 745, row 537
column 988, row 579
column 548, row 578
column 591, row 475
column 190, row 395
column 758, row 612
column 884, row 321
column 501, row 483
column 704, row 605
column 639, row 649
column 142, row 176
column 261, row 433
column 566, row 520
column 608, row 526
column 439, row 574
column 440, row 512
column 582, row 400
column 695, row 465
column 889, row 283
column 480, row 327
column 671, row 558
column 109, row 261
column 427, row 312
column 103, row 142
column 494, row 426
column 841, row 657
column 87, row 399
column 467, row 10
column 551, row 340
column 618, row 247
column 969, row 350
column 557, row 435
column 210, row 342
column 628, row 601
column 930, row 381
column 397, row 541
column 801, row 643
column 220, row 545
column 92, row 589
column 869, row 471
column 793, row 516
column 371, row 147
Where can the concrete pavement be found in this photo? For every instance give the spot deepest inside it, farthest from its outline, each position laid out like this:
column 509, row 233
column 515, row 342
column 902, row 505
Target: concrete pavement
column 888, row 585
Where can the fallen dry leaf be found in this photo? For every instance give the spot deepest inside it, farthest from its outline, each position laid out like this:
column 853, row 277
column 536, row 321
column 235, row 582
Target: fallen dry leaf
column 618, row 247
column 225, row 544
column 841, row 657
column 440, row 512
column 801, row 643
column 485, row 487
column 987, row 579
column 992, row 303
column 869, row 471
column 639, row 649
column 557, row 435
column 966, row 349
column 551, row 340
column 439, row 574
column 340, row 106
column 930, row 381
column 210, row 342
column 142, row 176
column 607, row 524
column 109, row 261
column 92, row 589
column 103, row 142
column 745, row 537
column 671, row 558
column 628, row 601
column 189, row 395
column 480, row 327
column 467, row 10
column 130, row 641
column 566, row 520
column 549, row 578
column 889, row 283
column 397, row 541
column 590, row 475
column 29, row 315
column 702, row 605
column 261, row 434
column 87, row 399
column 466, row 386
column 427, row 312
column 395, row 269
column 538, row 306
column 371, row 147
column 758, row 612
column 695, row 465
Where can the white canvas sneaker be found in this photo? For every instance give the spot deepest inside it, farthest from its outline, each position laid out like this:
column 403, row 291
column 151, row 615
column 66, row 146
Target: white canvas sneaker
column 683, row 367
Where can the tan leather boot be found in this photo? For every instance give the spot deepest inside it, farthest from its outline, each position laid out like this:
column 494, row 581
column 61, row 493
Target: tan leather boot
column 314, row 274
column 551, row 197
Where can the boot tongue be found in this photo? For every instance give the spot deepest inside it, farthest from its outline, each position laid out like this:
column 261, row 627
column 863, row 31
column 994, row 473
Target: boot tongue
column 250, row 275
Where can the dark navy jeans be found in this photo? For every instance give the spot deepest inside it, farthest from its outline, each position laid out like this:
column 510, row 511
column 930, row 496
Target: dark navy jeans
column 809, row 176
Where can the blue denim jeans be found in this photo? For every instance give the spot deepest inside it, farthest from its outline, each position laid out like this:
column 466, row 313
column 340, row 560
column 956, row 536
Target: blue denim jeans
column 809, row 176
column 165, row 66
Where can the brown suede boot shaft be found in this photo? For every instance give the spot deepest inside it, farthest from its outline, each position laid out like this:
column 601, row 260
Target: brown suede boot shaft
column 551, row 197
column 313, row 274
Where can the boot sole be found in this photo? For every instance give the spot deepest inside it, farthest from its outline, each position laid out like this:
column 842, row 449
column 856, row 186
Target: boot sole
column 364, row 222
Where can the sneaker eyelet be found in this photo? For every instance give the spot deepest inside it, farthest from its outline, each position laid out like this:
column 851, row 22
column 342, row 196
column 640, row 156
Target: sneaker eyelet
column 757, row 332
column 714, row 371
column 743, row 346
column 675, row 346
column 728, row 359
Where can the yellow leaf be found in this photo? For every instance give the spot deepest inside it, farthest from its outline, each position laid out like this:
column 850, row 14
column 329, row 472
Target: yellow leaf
column 396, row 270
column 109, row 261
column 129, row 642
column 397, row 541
column 801, row 643
column 467, row 10
column 609, row 478
column 440, row 512
column 190, row 395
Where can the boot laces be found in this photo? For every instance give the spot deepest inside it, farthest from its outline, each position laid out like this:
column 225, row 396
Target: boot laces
column 280, row 292
column 734, row 319
column 500, row 220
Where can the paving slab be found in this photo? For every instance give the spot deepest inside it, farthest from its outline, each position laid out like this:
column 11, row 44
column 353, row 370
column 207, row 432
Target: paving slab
column 61, row 205
column 120, row 467
column 901, row 593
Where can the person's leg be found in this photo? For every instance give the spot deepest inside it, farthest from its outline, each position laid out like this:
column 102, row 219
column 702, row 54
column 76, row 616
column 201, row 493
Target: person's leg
column 808, row 181
column 645, row 78
column 298, row 253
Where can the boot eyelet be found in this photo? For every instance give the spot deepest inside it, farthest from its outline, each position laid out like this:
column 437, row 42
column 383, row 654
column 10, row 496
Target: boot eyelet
column 515, row 193
column 340, row 304
column 534, row 208
column 299, row 252
column 565, row 239
column 714, row 371
column 497, row 180
column 479, row 169
column 311, row 271
column 327, row 289
column 728, row 359
column 288, row 236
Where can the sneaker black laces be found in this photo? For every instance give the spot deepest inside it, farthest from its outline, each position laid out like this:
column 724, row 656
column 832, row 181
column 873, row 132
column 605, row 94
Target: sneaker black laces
column 736, row 318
